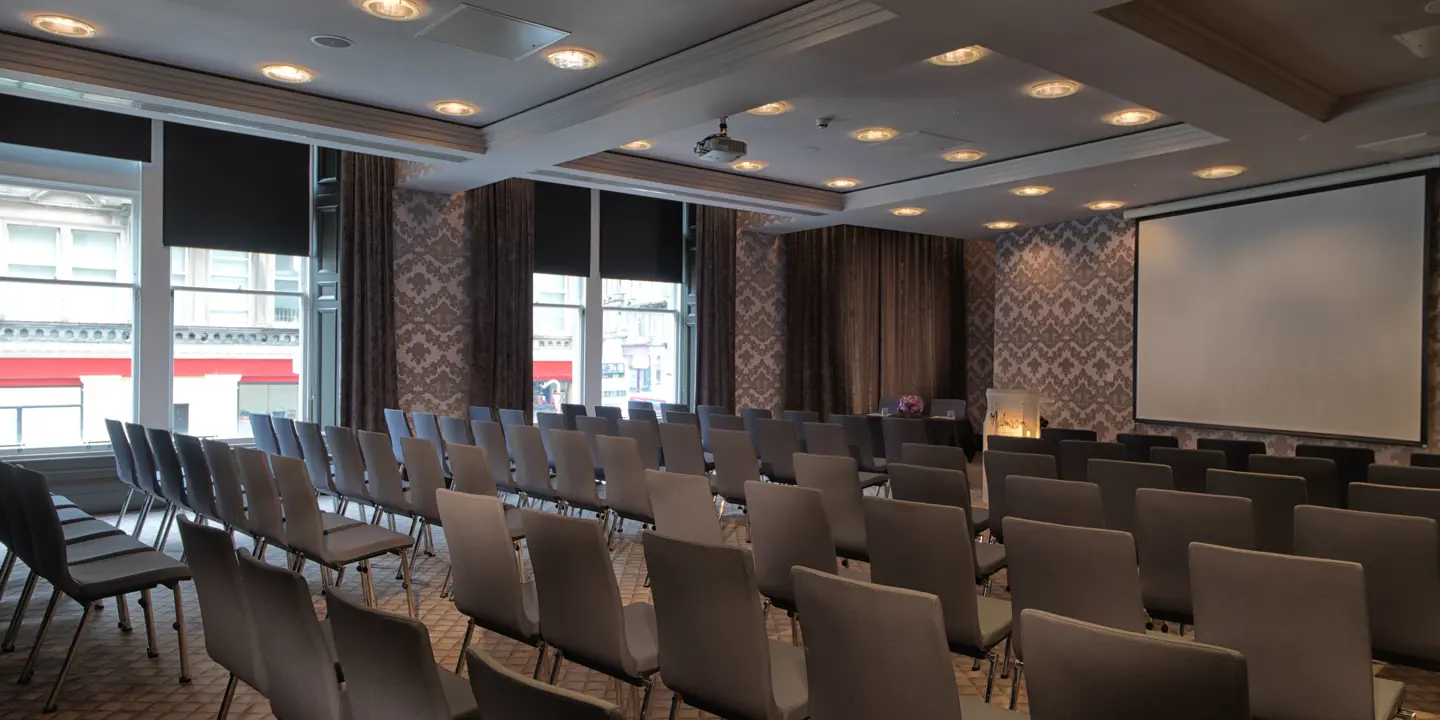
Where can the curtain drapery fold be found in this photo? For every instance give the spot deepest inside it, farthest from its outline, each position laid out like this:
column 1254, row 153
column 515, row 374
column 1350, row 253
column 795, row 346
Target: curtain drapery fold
column 501, row 232
column 715, row 307
column 369, row 368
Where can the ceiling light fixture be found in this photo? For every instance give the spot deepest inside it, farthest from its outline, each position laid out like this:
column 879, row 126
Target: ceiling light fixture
column 573, row 59
column 962, row 56
column 1052, row 89
column 1001, row 225
column 456, row 108
column 288, row 73
column 749, row 165
column 907, row 211
column 639, row 145
column 1031, row 190
column 875, row 134
column 1433, row 7
column 1105, row 205
column 963, row 156
column 778, row 107
column 1219, row 172
column 64, row 26
column 393, row 9
column 842, row 183
column 1133, row 116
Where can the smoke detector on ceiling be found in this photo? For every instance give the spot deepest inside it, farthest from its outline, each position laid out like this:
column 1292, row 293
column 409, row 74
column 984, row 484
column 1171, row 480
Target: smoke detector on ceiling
column 334, row 42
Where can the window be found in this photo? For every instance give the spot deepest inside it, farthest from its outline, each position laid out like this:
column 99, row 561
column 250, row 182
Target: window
column 558, row 329
column 34, row 252
column 641, row 353
column 265, row 398
column 40, row 416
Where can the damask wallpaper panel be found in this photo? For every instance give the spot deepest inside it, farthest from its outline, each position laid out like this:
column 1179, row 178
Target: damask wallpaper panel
column 759, row 313
column 979, row 327
column 432, row 303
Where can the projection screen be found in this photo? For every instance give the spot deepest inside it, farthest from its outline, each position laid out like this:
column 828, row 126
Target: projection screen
column 1299, row 314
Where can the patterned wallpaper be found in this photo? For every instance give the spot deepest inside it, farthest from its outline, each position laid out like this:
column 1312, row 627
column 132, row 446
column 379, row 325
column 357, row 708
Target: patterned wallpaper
column 759, row 313
column 979, row 327
column 432, row 301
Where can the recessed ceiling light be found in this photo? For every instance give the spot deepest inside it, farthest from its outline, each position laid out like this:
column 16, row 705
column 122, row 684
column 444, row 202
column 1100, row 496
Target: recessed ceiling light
column 771, row 108
column 1001, row 225
column 455, row 107
column 963, row 56
column 1031, row 190
column 573, row 59
column 908, row 211
column 1134, row 116
column 842, row 183
column 1105, row 205
column 875, row 134
column 288, row 73
column 964, row 155
column 749, row 165
column 1433, row 7
column 64, row 25
column 1219, row 172
column 393, row 9
column 638, row 145
column 1052, row 89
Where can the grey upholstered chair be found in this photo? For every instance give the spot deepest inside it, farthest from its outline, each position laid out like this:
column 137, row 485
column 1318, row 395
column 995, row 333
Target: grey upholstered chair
column 683, row 452
column 708, row 620
column 613, row 415
column 1118, row 480
column 859, row 437
column 878, row 652
column 1000, row 465
column 572, row 412
column 383, row 477
column 1322, row 485
column 427, row 475
column 225, row 617
column 683, row 417
column 826, row 439
column 644, row 414
column 942, row 407
column 937, row 485
column 509, row 418
column 703, row 413
column 473, row 476
column 146, row 476
column 898, row 431
column 788, row 528
column 749, row 416
column 575, row 473
column 922, row 547
column 1396, row 500
column 490, row 437
column 1401, row 557
column 229, row 494
column 626, row 493
column 1062, row 502
column 172, row 481
column 199, row 483
column 640, row 405
column 1055, row 435
column 286, row 437
column 667, row 408
column 427, row 427
column 581, row 615
column 489, row 588
column 262, row 429
column 735, row 466
column 348, row 466
column 646, row 435
column 1237, row 452
column 125, row 472
column 289, row 637
column 1083, row 671
column 1351, row 463
column 502, row 694
column 479, row 413
column 1301, row 624
column 1424, row 459
column 592, row 428
column 1404, row 476
column 1274, row 498
column 1075, row 456
column 548, row 422
column 317, row 459
column 683, row 507
column 264, row 515
column 532, row 468
column 1166, row 522
column 775, row 440
column 838, row 481
column 936, row 456
column 1083, row 573
column 455, row 431
column 1188, row 467
column 798, row 418
column 1137, row 446
column 397, row 427
column 1016, row 444
column 719, row 421
column 390, row 668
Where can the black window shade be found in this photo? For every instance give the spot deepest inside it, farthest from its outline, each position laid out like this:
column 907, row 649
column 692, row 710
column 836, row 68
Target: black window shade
column 562, row 229
column 641, row 238
column 228, row 191
column 36, row 123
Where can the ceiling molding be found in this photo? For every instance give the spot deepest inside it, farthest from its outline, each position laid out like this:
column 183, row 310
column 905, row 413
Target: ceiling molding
column 1172, row 27
column 1148, row 143
column 801, row 27
column 152, row 80
column 706, row 186
column 1402, row 97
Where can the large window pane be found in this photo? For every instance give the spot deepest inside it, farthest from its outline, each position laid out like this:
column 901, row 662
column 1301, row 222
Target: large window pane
column 641, row 294
column 229, row 365
column 640, row 357
column 558, row 352
column 559, row 289
column 33, row 251
column 47, row 233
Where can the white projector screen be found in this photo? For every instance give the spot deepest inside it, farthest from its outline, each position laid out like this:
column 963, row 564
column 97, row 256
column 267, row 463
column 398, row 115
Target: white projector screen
column 1299, row 314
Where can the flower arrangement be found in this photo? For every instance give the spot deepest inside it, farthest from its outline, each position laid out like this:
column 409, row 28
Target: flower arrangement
column 910, row 406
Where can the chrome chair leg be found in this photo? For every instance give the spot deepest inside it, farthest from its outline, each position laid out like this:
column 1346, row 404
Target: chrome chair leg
column 29, row 670
column 149, row 606
column 124, row 507
column 123, row 620
column 69, row 659
column 555, row 669
column 994, row 660
column 1009, row 657
column 228, row 697
column 367, row 585
column 339, row 576
column 5, row 570
column 794, row 629
column 180, row 636
column 409, row 595
column 674, row 705
column 144, row 513
column 469, row 630
column 8, row 644
column 645, row 701
column 1015, row 685
column 539, row 659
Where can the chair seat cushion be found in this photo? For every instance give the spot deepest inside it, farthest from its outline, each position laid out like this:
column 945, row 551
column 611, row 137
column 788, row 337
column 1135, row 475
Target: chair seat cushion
column 88, row 530
column 61, row 501
column 980, row 519
column 872, row 479
column 102, row 548
column 72, row 514
column 877, row 465
column 515, row 523
column 124, row 574
column 989, row 559
column 642, row 637
column 458, row 695
column 788, row 680
column 359, row 542
column 995, row 618
column 331, row 522
column 1388, row 696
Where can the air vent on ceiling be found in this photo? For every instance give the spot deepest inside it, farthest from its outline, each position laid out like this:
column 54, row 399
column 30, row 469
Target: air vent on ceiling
column 1425, row 42
column 919, row 143
column 1407, row 145
column 489, row 32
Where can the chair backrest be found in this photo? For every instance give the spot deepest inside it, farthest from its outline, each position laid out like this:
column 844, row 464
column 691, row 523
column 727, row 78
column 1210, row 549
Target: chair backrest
column 683, row 452
column 455, row 431
column 898, row 431
column 1424, row 459
column 625, row 489
column 1137, row 446
column 1083, row 671
column 1237, row 452
column 1396, row 500
column 1075, row 456
column 304, row 530
column 532, row 469
column 571, row 412
column 943, row 407
column 722, row 662
column 1401, row 557
column 640, row 405
column 470, row 468
column 935, row 456
column 682, row 507
column 1000, row 464
column 200, row 486
column 932, row 485
column 1016, row 444
column 285, row 436
column 1061, row 502
column 1322, row 485
column 290, row 639
column 482, row 560
column 1055, row 435
column 580, row 608
column 548, row 422
column 735, row 463
column 1118, row 481
column 1401, row 475
column 1188, row 467
column 719, row 421
column 398, row 427
column 1301, row 623
column 749, row 416
column 124, row 459
column 673, row 407
column 262, row 428
column 798, row 418
column 1351, row 463
column 167, row 463
column 229, row 493
column 703, row 413
column 1274, row 498
column 503, row 694
column 776, row 443
column 264, row 515
column 317, row 459
column 349, row 462
column 826, row 439
column 788, row 527
column 646, row 435
column 859, row 437
column 574, row 468
column 389, row 665
column 36, row 534
column 645, row 414
column 426, row 476
column 838, row 481
column 613, row 415
column 591, row 428
column 926, row 548
column 1166, row 522
column 480, row 413
column 1083, row 573
column 10, row 505
column 490, row 437
column 874, row 652
column 512, row 417
column 225, row 617
column 382, row 470
column 683, row 417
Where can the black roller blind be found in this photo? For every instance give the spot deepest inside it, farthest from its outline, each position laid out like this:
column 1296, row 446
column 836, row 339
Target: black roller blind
column 36, row 123
column 228, row 191
column 641, row 238
column 562, row 229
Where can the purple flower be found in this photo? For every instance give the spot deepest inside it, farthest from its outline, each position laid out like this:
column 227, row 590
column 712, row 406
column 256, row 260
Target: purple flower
column 911, row 405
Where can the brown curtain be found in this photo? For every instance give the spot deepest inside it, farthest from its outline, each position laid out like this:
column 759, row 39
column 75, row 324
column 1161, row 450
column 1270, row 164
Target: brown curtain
column 501, row 223
column 715, row 307
column 368, row 364
column 832, row 360
column 922, row 329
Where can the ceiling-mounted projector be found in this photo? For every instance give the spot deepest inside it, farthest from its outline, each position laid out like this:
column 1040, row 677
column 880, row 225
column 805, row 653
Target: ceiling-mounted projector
column 720, row 147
